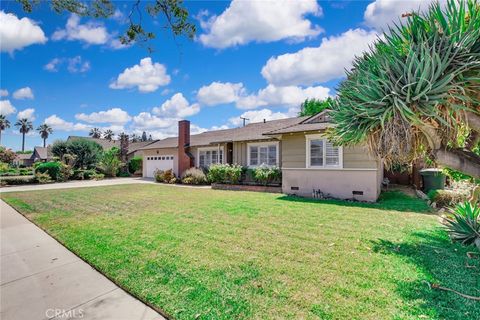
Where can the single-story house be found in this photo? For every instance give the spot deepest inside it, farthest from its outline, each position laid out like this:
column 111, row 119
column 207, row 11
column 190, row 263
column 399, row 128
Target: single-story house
column 310, row 164
column 28, row 159
column 133, row 147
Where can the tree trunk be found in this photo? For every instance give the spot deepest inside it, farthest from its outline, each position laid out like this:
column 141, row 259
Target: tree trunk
column 44, row 141
column 461, row 160
column 0, row 137
column 23, row 141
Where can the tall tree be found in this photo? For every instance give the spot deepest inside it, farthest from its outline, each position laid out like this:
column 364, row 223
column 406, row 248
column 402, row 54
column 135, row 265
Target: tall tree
column 24, row 126
column 150, row 138
column 144, row 136
column 44, row 130
column 175, row 16
column 311, row 107
column 4, row 124
column 108, row 135
column 417, row 91
column 95, row 133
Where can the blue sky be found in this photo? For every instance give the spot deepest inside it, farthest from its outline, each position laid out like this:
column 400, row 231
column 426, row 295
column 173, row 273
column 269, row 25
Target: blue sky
column 259, row 59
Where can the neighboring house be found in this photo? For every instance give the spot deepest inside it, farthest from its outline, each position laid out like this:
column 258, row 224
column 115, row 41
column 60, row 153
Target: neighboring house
column 308, row 161
column 28, row 159
column 133, row 147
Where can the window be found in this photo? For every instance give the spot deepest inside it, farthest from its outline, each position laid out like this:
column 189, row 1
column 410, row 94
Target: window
column 209, row 156
column 322, row 153
column 263, row 153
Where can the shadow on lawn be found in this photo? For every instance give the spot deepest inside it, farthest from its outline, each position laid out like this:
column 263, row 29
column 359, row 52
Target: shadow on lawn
column 389, row 200
column 439, row 261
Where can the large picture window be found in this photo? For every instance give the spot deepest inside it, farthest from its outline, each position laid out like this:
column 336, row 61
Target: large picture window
column 209, row 156
column 263, row 153
column 321, row 153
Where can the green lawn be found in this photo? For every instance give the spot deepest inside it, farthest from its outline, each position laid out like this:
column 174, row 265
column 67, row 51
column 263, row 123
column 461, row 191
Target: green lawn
column 209, row 254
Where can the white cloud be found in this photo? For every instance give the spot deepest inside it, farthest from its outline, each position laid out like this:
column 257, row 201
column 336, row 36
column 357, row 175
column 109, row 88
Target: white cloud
column 90, row 33
column 3, row 93
column 147, row 76
column 219, row 93
column 177, row 107
column 76, row 65
column 15, row 34
column 6, row 108
column 59, row 124
column 319, row 64
column 145, row 121
column 113, row 115
column 257, row 116
column 381, row 13
column 23, row 93
column 267, row 21
column 289, row 96
column 53, row 65
column 28, row 113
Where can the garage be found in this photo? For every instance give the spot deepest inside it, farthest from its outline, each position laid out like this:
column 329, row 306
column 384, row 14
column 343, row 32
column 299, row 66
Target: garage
column 163, row 162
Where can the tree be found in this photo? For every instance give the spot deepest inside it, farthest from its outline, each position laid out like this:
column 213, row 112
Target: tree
column 7, row 155
column 95, row 133
column 87, row 153
column 150, row 138
column 24, row 126
column 108, row 135
column 44, row 130
column 110, row 162
column 416, row 92
column 175, row 16
column 311, row 107
column 144, row 136
column 4, row 124
column 135, row 138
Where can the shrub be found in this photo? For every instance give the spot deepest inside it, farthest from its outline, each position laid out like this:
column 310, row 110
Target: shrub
column 82, row 174
column 97, row 176
column 265, row 174
column 194, row 176
column 134, row 164
column 165, row 176
column 110, row 162
column 123, row 174
column 464, row 224
column 52, row 168
column 224, row 173
column 446, row 198
column 17, row 180
column 43, row 177
column 4, row 166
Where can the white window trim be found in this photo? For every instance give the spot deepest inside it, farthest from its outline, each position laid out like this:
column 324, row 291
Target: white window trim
column 216, row 148
column 262, row 144
column 322, row 137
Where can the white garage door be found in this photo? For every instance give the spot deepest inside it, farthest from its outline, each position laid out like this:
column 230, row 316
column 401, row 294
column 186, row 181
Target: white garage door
column 158, row 162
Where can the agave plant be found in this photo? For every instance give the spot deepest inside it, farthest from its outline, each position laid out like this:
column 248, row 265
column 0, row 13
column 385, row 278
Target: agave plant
column 416, row 88
column 464, row 225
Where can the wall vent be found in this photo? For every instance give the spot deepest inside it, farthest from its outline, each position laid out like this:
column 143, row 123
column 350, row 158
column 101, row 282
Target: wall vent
column 294, row 188
column 357, row 193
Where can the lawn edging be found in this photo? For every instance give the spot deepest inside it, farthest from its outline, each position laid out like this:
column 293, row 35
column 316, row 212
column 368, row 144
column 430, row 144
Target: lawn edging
column 246, row 187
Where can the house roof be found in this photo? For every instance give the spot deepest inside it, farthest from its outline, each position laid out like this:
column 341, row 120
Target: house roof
column 24, row 156
column 43, row 153
column 318, row 122
column 251, row 132
column 108, row 144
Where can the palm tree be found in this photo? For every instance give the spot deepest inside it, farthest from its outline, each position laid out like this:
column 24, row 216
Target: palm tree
column 108, row 135
column 4, row 124
column 95, row 133
column 24, row 125
column 45, row 130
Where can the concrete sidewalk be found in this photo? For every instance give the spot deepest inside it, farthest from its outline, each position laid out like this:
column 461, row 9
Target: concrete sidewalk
column 41, row 279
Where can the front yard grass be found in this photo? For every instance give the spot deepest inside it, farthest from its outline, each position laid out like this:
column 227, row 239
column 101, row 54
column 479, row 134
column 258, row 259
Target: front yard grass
column 211, row 254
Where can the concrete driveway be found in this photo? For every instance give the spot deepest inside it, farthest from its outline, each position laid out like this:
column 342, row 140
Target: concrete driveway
column 41, row 279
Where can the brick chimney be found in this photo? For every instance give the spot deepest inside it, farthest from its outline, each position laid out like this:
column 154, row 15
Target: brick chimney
column 185, row 159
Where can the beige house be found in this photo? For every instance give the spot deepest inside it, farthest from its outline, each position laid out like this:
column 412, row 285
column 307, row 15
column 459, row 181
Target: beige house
column 310, row 164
